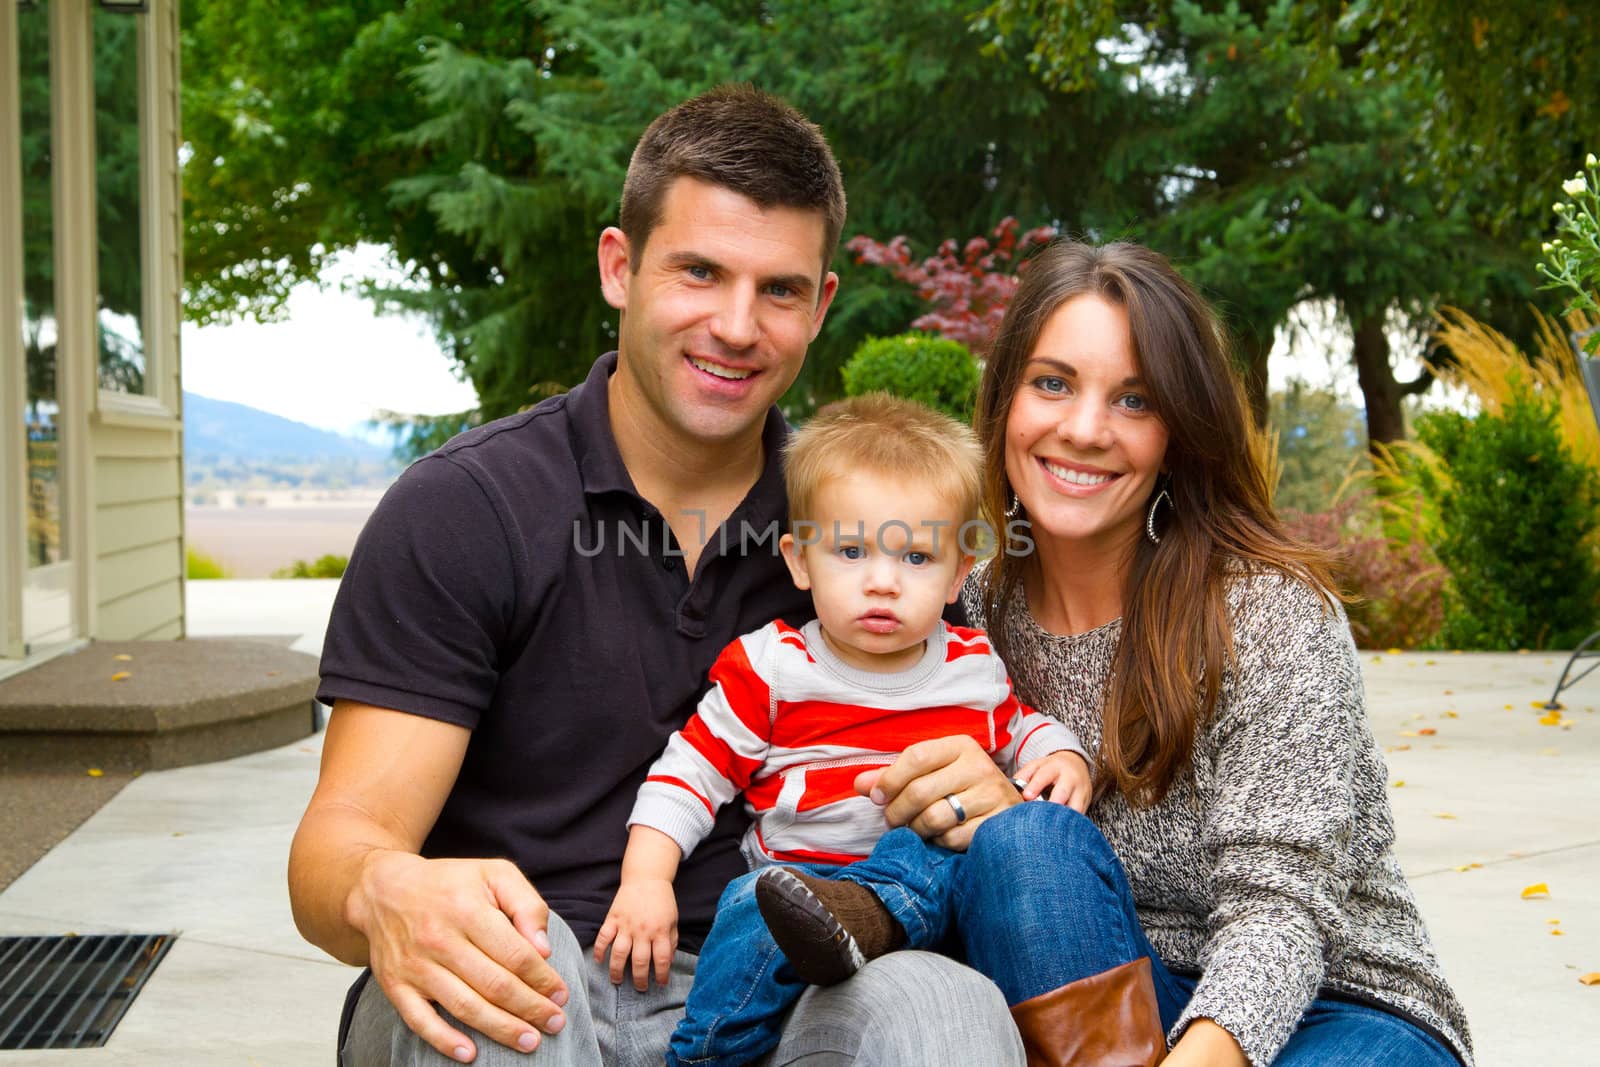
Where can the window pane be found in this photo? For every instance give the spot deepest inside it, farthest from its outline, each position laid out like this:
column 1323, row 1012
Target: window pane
column 40, row 416
column 117, row 186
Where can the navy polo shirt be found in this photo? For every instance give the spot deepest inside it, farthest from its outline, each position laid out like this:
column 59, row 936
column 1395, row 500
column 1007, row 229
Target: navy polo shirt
column 515, row 583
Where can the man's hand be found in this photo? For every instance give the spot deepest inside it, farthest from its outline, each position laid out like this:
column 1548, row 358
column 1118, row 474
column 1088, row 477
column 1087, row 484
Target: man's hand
column 913, row 789
column 643, row 921
column 468, row 935
column 1064, row 774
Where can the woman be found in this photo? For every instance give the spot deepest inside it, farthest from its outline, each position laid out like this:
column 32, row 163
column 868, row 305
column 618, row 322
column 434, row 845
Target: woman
column 1164, row 615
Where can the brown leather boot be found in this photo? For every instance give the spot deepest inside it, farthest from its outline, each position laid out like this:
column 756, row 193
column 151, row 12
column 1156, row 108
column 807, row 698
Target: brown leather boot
column 827, row 929
column 1108, row 1019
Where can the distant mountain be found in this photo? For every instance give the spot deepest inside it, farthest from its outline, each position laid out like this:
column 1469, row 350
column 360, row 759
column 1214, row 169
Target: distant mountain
column 219, row 431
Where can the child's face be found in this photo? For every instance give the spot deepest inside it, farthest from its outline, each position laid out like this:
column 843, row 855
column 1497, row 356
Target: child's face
column 885, row 562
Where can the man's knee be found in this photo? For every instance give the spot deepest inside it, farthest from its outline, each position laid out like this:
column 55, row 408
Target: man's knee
column 905, row 1008
column 377, row 1034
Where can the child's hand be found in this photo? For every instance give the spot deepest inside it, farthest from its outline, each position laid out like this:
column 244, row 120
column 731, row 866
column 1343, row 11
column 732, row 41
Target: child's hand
column 1065, row 774
column 643, row 921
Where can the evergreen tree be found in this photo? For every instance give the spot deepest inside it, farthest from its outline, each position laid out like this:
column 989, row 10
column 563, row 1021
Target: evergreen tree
column 485, row 143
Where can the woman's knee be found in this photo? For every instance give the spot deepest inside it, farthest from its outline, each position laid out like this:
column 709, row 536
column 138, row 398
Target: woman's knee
column 1032, row 831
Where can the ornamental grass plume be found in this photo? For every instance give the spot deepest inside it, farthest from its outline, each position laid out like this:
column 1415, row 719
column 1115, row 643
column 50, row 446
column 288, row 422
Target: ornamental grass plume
column 1494, row 370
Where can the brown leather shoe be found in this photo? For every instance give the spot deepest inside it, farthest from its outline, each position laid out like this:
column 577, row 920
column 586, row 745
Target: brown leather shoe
column 827, row 929
column 1108, row 1019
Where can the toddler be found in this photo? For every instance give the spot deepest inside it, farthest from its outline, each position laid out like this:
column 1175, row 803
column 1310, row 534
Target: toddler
column 883, row 498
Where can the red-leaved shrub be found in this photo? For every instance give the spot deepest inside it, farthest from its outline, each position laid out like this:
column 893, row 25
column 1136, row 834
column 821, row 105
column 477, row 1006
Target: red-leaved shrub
column 1397, row 583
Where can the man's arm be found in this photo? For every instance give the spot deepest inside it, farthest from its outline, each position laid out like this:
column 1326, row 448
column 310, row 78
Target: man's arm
column 468, row 935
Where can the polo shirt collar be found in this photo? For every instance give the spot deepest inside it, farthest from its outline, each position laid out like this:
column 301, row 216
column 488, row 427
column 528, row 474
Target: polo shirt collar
column 600, row 465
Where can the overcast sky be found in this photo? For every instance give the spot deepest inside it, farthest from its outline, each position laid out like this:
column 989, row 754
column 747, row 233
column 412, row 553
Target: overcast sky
column 333, row 363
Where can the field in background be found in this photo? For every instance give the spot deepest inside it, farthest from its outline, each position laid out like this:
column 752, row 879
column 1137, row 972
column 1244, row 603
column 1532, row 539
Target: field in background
column 266, row 530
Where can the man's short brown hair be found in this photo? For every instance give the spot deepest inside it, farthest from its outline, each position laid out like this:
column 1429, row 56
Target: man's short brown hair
column 744, row 140
column 889, row 437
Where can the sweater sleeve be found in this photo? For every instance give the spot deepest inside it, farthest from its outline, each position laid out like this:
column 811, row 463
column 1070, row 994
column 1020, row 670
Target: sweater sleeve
column 712, row 759
column 1281, row 830
column 1028, row 734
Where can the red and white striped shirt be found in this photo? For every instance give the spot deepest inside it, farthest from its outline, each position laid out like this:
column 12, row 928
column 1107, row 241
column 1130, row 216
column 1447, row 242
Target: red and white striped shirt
column 790, row 724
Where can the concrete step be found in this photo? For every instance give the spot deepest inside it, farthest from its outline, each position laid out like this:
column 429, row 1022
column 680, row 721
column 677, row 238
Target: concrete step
column 150, row 705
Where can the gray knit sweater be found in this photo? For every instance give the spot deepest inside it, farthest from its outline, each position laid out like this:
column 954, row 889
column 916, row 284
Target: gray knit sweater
column 1268, row 867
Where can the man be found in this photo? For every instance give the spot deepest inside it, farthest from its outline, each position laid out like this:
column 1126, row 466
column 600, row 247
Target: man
column 531, row 612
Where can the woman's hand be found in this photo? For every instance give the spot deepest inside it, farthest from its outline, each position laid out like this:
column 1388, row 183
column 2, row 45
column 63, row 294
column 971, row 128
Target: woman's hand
column 1205, row 1044
column 912, row 790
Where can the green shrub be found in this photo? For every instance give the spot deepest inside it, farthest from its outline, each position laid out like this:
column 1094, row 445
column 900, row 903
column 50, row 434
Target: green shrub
column 916, row 366
column 198, row 565
column 329, row 566
column 1517, row 523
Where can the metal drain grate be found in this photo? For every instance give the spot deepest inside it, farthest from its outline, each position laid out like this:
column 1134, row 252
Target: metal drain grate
column 70, row 992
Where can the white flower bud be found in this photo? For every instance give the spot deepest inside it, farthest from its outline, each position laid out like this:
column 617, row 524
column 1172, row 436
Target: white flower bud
column 1573, row 186
column 1547, row 248
column 1589, row 160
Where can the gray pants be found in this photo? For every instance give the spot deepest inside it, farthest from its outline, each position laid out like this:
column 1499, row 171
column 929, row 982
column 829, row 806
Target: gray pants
column 902, row 1009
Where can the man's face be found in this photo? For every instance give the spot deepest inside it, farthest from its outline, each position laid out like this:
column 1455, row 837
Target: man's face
column 717, row 316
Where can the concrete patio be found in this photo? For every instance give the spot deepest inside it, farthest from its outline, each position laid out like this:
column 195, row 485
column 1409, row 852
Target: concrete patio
column 1492, row 801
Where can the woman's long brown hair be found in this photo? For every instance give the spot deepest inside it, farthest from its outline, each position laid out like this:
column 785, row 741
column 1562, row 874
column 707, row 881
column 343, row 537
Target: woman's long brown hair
column 1176, row 634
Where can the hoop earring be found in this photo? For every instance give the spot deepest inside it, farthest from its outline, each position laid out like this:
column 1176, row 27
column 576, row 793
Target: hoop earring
column 1016, row 506
column 1150, row 518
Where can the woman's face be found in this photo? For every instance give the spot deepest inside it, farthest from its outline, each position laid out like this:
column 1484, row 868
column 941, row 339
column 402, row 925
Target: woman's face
column 1083, row 447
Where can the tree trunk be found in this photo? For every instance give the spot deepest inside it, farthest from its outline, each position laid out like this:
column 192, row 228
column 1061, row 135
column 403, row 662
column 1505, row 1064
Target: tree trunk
column 1254, row 348
column 1382, row 393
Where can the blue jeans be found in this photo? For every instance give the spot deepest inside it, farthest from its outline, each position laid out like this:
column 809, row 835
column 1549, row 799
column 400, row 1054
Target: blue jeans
column 1044, row 867
column 743, row 986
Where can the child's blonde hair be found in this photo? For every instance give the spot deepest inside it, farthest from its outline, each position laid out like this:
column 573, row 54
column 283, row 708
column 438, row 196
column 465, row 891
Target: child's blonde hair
column 884, row 435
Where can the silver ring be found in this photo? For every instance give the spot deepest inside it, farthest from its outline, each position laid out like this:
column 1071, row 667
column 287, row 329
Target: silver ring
column 955, row 806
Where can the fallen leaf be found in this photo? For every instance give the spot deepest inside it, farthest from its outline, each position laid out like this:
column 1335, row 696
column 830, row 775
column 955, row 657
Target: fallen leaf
column 1399, row 783
column 123, row 657
column 1551, row 719
column 1408, row 733
column 1539, row 705
column 1400, row 748
column 1377, row 659
column 177, row 833
column 1465, row 867
column 1395, row 651
column 1475, row 866
column 1451, row 715
column 1536, row 891
column 1592, row 978
column 1449, row 692
column 1553, row 922
column 1523, row 651
column 1510, row 707
column 1443, row 815
column 1556, row 106
column 96, row 772
column 1558, row 933
column 121, row 676
column 1429, row 662
column 1427, row 731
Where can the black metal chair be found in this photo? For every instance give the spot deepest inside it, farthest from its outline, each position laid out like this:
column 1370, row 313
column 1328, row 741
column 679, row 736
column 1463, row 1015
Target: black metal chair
column 1590, row 648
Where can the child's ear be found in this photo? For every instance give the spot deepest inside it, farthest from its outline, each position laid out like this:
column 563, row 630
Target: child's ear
column 794, row 555
column 963, row 568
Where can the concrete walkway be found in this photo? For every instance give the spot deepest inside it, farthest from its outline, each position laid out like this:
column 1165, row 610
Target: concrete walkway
column 1491, row 803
